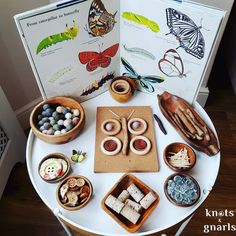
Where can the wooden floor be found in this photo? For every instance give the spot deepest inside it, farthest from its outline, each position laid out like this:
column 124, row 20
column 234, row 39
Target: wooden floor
column 23, row 213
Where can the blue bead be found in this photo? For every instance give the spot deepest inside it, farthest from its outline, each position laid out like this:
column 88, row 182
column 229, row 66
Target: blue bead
column 46, row 125
column 66, row 110
column 40, row 116
column 40, row 123
column 69, row 127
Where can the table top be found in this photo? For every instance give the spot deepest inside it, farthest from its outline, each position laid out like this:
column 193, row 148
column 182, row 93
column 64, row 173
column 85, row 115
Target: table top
column 92, row 218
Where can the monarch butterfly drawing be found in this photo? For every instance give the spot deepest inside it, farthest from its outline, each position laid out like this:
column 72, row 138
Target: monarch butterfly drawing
column 98, row 59
column 100, row 22
column 70, row 34
column 186, row 32
column 145, row 81
column 171, row 64
column 97, row 84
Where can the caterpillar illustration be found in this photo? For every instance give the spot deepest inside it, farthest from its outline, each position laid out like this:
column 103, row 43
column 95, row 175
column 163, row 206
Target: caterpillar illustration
column 141, row 20
column 60, row 73
column 97, row 84
column 70, row 33
column 140, row 51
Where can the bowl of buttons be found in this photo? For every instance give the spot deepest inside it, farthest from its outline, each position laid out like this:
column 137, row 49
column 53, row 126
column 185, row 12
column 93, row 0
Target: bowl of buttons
column 57, row 120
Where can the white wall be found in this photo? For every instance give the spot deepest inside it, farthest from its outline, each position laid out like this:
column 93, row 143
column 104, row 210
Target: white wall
column 16, row 76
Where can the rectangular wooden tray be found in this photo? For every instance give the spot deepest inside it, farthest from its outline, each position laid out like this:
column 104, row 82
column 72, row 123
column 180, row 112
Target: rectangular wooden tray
column 123, row 183
column 120, row 162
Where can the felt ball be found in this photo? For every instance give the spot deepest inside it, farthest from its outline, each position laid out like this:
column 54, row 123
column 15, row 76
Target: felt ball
column 51, row 118
column 52, row 122
column 135, row 125
column 56, row 127
column 66, row 110
column 67, row 122
column 75, row 120
column 109, row 126
column 59, row 109
column 45, row 119
column 57, row 132
column 68, row 115
column 41, row 128
column 76, row 112
column 44, row 131
column 44, row 113
column 46, row 106
column 69, row 127
column 40, row 117
column 50, row 131
column 40, row 123
column 63, row 131
column 60, row 122
column 49, row 112
column 46, row 125
column 56, row 115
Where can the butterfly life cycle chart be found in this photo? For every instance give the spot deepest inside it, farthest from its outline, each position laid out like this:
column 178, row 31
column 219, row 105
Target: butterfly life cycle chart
column 75, row 48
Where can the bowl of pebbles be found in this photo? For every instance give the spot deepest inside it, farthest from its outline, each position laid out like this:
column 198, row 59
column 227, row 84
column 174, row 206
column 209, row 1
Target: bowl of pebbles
column 57, row 120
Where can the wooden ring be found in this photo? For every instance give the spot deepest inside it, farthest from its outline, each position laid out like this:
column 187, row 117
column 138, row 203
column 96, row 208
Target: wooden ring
column 112, row 153
column 142, row 152
column 112, row 132
column 120, row 86
column 137, row 132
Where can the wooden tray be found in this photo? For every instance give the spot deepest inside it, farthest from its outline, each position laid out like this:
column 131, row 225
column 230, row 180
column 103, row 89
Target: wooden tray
column 123, row 183
column 130, row 162
column 170, row 105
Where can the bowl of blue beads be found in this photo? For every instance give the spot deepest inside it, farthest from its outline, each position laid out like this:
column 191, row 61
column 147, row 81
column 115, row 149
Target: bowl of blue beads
column 57, row 120
column 182, row 190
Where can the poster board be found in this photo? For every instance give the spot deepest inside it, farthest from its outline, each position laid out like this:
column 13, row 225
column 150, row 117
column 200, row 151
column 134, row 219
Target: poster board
column 166, row 45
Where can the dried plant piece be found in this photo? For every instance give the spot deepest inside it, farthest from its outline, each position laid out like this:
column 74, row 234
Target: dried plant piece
column 80, row 182
column 125, row 135
column 72, row 182
column 64, row 189
column 180, row 159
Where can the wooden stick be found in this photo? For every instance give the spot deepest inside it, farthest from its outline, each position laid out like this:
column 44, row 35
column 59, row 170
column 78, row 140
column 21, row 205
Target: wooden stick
column 114, row 114
column 186, row 122
column 132, row 112
column 125, row 135
column 199, row 131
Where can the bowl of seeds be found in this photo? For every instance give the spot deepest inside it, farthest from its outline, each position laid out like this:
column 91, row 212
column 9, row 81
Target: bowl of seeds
column 57, row 120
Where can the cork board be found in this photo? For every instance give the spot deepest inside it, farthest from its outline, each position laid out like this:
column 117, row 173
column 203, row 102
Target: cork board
column 130, row 162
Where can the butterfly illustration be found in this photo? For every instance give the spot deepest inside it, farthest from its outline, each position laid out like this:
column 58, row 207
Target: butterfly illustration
column 93, row 60
column 100, row 22
column 186, row 32
column 145, row 81
column 171, row 64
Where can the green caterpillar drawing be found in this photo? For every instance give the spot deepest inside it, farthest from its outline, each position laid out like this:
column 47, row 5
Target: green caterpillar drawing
column 70, row 33
column 141, row 20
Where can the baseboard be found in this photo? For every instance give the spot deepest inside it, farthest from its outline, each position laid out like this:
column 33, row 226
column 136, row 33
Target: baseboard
column 203, row 96
column 23, row 113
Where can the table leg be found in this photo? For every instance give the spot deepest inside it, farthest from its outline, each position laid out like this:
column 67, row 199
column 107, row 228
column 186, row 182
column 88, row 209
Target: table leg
column 56, row 212
column 183, row 225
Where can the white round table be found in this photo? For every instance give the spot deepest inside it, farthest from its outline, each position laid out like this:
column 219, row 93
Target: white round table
column 92, row 218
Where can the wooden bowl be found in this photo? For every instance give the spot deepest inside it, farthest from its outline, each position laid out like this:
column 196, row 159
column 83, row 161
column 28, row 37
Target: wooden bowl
column 61, row 138
column 58, row 156
column 71, row 208
column 122, row 88
column 174, row 148
column 123, row 183
column 171, row 199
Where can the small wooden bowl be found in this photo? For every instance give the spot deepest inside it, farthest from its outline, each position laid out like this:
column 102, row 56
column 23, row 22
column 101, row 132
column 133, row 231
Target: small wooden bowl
column 58, row 156
column 123, row 183
column 174, row 148
column 170, row 198
column 119, row 93
column 88, row 183
column 61, row 138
